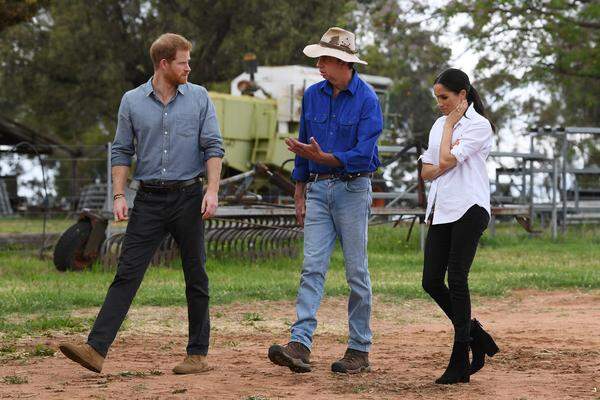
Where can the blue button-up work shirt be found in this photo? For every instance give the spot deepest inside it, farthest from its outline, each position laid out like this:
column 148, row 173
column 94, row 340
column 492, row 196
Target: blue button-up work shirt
column 172, row 141
column 347, row 126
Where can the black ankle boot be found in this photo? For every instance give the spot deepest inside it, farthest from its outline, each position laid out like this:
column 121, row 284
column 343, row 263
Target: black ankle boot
column 483, row 344
column 458, row 367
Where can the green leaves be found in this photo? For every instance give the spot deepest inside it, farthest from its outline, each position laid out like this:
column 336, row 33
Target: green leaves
column 66, row 70
column 552, row 43
column 15, row 12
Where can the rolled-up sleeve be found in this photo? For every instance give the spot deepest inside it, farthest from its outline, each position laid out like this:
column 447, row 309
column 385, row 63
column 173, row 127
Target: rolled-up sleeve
column 211, row 141
column 477, row 136
column 427, row 157
column 431, row 155
column 370, row 126
column 301, row 172
column 122, row 148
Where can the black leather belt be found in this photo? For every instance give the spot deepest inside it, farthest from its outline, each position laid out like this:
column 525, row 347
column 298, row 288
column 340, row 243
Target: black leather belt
column 341, row 177
column 167, row 186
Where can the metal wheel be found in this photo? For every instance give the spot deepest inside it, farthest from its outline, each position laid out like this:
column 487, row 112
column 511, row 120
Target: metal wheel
column 68, row 252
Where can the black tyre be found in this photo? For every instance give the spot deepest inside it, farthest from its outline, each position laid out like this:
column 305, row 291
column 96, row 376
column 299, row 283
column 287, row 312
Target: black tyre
column 68, row 252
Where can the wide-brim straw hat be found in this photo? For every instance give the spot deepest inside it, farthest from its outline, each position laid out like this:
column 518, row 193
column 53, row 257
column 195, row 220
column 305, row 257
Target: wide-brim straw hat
column 338, row 43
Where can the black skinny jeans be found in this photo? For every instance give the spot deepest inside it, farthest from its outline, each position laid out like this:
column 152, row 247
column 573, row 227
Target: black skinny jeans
column 452, row 247
column 152, row 217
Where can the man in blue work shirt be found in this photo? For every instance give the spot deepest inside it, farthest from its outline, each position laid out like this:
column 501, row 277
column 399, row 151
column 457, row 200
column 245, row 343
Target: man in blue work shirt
column 172, row 126
column 336, row 153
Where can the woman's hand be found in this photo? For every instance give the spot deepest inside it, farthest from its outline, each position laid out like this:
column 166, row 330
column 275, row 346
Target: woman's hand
column 447, row 160
column 456, row 114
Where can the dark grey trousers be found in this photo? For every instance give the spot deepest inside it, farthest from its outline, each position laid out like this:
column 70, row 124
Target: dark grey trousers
column 152, row 217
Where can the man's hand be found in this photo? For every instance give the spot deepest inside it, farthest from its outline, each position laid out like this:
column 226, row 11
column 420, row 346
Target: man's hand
column 120, row 209
column 210, row 203
column 300, row 210
column 300, row 202
column 119, row 178
column 310, row 151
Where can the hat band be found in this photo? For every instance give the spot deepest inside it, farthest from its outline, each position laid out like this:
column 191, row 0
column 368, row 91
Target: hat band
column 337, row 47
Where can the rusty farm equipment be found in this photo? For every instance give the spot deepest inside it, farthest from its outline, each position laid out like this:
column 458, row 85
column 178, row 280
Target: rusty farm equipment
column 247, row 227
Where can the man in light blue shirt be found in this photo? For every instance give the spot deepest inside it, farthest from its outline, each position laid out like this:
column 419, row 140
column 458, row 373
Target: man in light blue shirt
column 171, row 126
column 174, row 140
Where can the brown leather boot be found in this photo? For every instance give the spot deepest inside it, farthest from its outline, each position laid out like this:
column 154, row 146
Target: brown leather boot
column 83, row 354
column 293, row 355
column 192, row 364
column 353, row 362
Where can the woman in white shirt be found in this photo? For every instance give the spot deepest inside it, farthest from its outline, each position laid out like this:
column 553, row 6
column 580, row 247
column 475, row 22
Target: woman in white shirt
column 458, row 211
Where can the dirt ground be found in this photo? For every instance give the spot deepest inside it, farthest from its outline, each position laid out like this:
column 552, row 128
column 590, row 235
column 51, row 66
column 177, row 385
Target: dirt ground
column 549, row 341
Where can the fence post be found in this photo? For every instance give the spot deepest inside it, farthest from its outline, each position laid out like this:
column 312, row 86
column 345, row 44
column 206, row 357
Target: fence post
column 74, row 197
column 531, row 209
column 108, row 177
column 564, row 183
column 554, row 190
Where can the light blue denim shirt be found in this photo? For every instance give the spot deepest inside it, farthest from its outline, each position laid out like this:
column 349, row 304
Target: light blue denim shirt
column 173, row 141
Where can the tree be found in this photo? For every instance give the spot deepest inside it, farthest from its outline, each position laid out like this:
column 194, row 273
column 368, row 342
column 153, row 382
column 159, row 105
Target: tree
column 405, row 49
column 276, row 31
column 64, row 71
column 551, row 45
column 14, row 12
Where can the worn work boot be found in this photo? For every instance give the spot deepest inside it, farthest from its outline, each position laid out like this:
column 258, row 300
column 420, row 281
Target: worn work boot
column 293, row 355
column 83, row 354
column 353, row 362
column 192, row 364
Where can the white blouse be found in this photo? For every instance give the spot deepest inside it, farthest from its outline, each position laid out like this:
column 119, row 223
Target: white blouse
column 467, row 183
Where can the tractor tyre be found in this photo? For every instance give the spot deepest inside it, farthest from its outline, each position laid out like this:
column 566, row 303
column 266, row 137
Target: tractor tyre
column 68, row 252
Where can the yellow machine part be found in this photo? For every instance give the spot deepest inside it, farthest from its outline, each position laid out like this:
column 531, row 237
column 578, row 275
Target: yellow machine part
column 249, row 129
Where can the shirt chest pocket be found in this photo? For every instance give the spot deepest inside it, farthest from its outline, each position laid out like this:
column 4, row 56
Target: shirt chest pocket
column 187, row 125
column 317, row 122
column 348, row 124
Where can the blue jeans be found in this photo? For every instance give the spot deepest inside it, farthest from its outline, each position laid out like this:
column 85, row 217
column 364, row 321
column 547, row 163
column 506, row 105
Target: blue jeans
column 336, row 209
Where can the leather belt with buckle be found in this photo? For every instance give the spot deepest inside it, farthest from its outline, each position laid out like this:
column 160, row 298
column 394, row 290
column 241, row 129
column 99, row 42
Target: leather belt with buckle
column 341, row 177
column 168, row 186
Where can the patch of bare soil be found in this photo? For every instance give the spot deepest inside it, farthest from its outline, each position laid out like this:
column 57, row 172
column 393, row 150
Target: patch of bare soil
column 549, row 341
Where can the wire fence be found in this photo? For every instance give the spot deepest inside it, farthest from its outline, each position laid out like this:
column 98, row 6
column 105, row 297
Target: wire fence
column 55, row 183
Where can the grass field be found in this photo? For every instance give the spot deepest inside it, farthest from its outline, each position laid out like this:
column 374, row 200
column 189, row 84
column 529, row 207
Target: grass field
column 18, row 224
column 34, row 297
